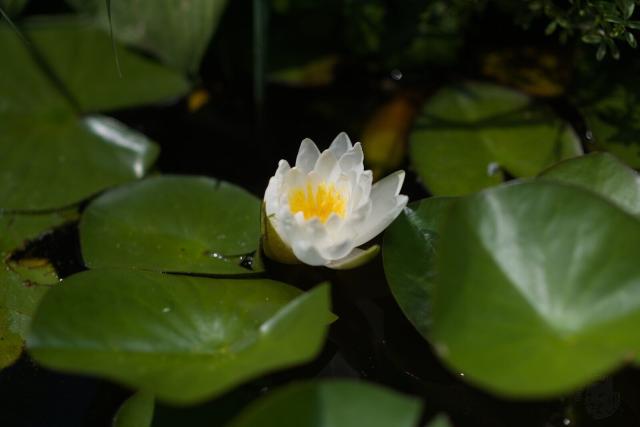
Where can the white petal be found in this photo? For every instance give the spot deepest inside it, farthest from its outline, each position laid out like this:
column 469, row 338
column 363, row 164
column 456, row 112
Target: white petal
column 340, row 145
column 352, row 160
column 386, row 205
column 333, row 223
column 294, row 178
column 380, row 218
column 355, row 258
column 308, row 254
column 307, row 155
column 283, row 167
column 326, row 166
column 361, row 190
column 387, row 187
column 336, row 250
column 304, row 239
column 271, row 195
column 360, row 214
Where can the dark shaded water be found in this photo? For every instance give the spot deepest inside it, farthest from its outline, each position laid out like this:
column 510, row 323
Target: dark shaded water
column 229, row 138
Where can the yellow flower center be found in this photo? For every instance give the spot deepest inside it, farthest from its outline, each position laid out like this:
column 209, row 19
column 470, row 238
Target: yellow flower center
column 321, row 203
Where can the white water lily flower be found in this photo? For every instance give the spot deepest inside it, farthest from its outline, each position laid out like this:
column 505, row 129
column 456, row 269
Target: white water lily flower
column 320, row 211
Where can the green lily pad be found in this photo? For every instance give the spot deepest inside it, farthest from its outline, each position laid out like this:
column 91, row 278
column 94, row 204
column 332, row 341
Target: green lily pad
column 22, row 284
column 176, row 31
column 333, row 403
column 408, row 254
column 537, row 293
column 604, row 174
column 471, row 136
column 51, row 158
column 82, row 57
column 172, row 223
column 136, row 411
column 184, row 339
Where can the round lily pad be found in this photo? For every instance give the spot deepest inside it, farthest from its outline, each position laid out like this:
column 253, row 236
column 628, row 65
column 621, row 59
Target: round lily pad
column 172, row 223
column 51, row 157
column 184, row 339
column 537, row 293
column 474, row 135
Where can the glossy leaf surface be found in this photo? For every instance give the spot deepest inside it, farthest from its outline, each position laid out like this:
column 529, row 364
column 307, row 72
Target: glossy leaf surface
column 184, row 339
column 172, row 223
column 602, row 173
column 537, row 294
column 49, row 157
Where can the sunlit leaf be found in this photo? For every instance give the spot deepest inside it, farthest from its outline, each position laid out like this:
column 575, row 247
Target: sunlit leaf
column 602, row 173
column 184, row 339
column 336, row 403
column 53, row 163
column 470, row 136
column 536, row 292
column 50, row 157
column 172, row 223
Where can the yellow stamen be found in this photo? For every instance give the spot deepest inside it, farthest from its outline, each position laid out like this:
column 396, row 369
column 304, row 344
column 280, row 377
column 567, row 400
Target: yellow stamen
column 319, row 204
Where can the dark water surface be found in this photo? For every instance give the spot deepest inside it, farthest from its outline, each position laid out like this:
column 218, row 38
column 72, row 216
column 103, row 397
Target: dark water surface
column 229, row 138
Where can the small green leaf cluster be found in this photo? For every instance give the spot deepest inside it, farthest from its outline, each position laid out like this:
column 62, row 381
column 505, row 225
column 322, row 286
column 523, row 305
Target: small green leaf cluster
column 601, row 23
